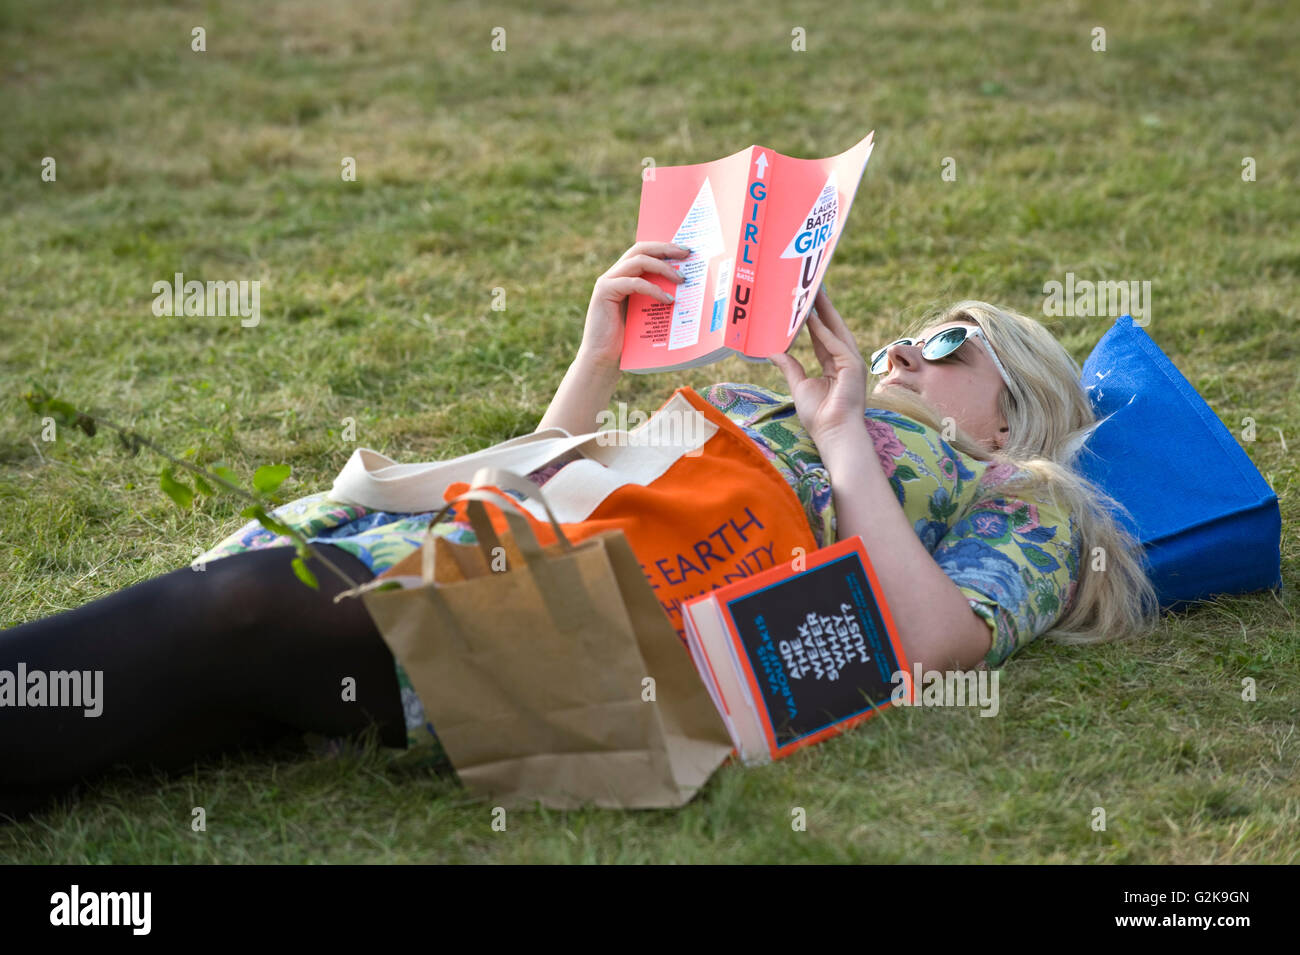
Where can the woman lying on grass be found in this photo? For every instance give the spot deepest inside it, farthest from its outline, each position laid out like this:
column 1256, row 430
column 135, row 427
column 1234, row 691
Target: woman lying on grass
column 957, row 479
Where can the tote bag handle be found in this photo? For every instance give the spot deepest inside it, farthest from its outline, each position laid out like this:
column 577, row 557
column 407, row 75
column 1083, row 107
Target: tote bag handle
column 375, row 481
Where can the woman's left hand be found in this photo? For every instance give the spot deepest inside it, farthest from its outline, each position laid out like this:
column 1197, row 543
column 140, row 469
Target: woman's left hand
column 831, row 407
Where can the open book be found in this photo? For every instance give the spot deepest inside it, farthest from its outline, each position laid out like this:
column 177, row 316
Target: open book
column 792, row 656
column 761, row 228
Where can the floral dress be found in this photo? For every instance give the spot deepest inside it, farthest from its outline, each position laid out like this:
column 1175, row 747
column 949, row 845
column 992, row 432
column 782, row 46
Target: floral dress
column 1015, row 560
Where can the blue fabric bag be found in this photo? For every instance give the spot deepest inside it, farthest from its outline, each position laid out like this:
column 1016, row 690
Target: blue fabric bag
column 1208, row 520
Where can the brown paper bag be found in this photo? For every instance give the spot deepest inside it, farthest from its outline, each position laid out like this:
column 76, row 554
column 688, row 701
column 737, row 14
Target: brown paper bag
column 557, row 680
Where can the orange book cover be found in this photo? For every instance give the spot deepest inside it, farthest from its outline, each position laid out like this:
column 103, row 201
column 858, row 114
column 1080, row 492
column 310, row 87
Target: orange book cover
column 761, row 228
column 815, row 649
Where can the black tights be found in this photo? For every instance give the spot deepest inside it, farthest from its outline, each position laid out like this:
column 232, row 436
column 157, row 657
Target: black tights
column 239, row 655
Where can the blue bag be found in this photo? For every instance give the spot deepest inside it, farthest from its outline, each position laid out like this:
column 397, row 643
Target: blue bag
column 1208, row 520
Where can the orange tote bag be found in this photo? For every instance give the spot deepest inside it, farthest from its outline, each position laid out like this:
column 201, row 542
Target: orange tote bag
column 715, row 515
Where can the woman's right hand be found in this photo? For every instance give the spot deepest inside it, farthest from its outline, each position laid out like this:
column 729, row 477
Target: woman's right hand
column 602, row 336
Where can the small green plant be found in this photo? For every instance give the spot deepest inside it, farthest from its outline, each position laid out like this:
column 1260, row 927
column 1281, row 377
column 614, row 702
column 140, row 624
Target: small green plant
column 266, row 479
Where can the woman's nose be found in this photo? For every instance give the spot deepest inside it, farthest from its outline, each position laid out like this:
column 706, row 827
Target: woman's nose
column 904, row 356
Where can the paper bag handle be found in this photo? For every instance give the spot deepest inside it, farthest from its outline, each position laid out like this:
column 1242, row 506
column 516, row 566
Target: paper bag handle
column 484, row 534
column 565, row 596
column 515, row 517
column 510, row 481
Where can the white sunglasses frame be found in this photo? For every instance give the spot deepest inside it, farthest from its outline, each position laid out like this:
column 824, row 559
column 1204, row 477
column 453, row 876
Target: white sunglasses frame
column 971, row 330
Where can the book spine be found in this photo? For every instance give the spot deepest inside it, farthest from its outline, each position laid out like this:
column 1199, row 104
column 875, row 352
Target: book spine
column 745, row 273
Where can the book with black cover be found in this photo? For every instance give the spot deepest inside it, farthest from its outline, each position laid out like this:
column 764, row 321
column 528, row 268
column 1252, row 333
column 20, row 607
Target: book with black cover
column 799, row 652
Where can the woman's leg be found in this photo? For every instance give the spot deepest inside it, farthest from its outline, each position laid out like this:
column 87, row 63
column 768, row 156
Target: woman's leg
column 239, row 654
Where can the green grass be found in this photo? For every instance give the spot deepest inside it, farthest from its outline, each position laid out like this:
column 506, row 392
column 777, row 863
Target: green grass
column 521, row 170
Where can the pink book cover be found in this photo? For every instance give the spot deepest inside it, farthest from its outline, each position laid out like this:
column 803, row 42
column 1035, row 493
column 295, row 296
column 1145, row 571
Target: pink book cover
column 762, row 228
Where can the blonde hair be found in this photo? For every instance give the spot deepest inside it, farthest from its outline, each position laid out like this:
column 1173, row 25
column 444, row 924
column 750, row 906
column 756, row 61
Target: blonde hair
column 1048, row 414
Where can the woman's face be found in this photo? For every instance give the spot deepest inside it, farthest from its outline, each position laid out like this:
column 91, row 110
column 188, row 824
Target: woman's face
column 964, row 384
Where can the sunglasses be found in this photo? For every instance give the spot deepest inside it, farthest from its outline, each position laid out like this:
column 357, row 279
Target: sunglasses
column 940, row 345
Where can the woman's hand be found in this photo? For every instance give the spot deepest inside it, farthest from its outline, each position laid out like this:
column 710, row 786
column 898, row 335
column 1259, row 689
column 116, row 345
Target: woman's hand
column 602, row 336
column 832, row 406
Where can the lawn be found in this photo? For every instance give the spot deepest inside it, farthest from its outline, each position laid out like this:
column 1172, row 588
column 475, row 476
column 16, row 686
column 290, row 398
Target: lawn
column 520, row 170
